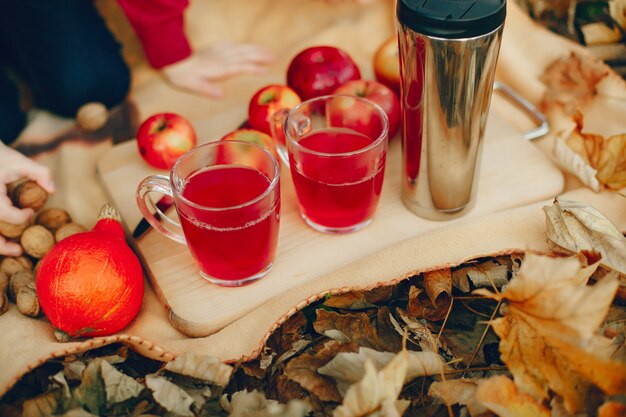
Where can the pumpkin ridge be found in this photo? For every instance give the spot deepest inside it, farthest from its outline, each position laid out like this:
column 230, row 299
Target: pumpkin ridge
column 56, row 290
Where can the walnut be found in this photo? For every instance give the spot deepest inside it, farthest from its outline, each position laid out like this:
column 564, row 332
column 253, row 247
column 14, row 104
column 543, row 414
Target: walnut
column 4, row 282
column 4, row 303
column 67, row 230
column 37, row 241
column 92, row 116
column 11, row 265
column 27, row 263
column 27, row 301
column 13, row 185
column 18, row 281
column 53, row 218
column 29, row 194
column 13, row 231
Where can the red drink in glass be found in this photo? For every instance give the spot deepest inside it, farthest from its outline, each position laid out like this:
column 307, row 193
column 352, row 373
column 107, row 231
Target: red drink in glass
column 337, row 192
column 238, row 241
column 337, row 147
column 227, row 196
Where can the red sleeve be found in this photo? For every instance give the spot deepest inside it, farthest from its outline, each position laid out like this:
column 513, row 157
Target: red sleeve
column 160, row 27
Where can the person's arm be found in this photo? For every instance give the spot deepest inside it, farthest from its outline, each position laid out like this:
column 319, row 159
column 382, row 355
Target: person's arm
column 13, row 166
column 159, row 24
column 160, row 27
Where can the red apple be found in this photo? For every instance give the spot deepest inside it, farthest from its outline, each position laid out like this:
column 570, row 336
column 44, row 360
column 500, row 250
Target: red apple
column 387, row 64
column 266, row 102
column 319, row 70
column 379, row 94
column 252, row 136
column 163, row 138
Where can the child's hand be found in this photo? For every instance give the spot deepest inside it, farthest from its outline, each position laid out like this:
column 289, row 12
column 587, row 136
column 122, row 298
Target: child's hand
column 13, row 166
column 205, row 68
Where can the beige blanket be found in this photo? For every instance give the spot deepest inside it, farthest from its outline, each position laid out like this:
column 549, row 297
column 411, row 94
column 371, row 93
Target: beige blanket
column 526, row 51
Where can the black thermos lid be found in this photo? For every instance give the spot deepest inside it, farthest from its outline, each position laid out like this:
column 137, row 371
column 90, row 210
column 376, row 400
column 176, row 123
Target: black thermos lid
column 452, row 19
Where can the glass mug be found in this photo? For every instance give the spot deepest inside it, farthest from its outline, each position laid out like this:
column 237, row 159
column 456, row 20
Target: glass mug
column 336, row 148
column 227, row 196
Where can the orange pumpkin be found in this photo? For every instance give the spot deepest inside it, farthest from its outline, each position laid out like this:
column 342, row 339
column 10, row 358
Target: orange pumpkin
column 91, row 283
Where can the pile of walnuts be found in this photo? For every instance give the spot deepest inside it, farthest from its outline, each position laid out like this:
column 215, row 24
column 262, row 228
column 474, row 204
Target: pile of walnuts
column 36, row 236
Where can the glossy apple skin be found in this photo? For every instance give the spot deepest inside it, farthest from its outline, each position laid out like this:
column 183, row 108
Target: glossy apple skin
column 319, row 70
column 387, row 65
column 163, row 138
column 266, row 102
column 252, row 136
column 379, row 94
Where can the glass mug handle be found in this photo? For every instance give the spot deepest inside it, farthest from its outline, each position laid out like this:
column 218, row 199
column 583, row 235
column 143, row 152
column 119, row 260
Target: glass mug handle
column 157, row 184
column 277, row 125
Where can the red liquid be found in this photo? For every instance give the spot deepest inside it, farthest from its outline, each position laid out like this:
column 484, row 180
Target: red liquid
column 234, row 243
column 338, row 192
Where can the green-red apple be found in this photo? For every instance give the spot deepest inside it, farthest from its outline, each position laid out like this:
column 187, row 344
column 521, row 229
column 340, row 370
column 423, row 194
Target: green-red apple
column 163, row 138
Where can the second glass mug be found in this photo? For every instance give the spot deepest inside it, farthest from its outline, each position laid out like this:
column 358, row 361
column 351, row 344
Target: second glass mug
column 336, row 148
column 227, row 197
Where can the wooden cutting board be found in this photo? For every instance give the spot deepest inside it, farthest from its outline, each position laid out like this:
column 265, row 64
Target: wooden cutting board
column 513, row 173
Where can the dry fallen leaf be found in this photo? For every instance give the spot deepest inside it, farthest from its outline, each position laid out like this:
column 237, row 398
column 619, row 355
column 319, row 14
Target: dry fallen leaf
column 612, row 409
column 458, row 391
column 356, row 300
column 550, row 316
column 490, row 273
column 376, row 394
column 617, row 10
column 303, row 370
column 421, row 306
column 357, row 328
column 438, row 286
column 597, row 161
column 348, row 367
column 46, row 404
column 416, row 331
column 76, row 412
column 170, row 396
column 576, row 226
column 571, row 82
column 254, row 404
column 500, row 395
column 615, row 329
column 118, row 386
column 203, row 367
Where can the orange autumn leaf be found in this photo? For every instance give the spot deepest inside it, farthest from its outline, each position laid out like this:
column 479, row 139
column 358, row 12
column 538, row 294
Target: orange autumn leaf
column 433, row 301
column 597, row 161
column 571, row 82
column 458, row 391
column 500, row 395
column 549, row 315
column 438, row 285
column 612, row 409
column 421, row 306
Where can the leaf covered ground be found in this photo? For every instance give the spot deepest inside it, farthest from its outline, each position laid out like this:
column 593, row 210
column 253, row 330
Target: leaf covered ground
column 511, row 336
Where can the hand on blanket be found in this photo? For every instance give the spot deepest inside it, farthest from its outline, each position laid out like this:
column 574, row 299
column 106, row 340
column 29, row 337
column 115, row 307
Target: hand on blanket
column 13, row 166
column 201, row 72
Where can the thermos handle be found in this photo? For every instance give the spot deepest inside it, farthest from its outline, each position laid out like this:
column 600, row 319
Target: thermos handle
column 541, row 120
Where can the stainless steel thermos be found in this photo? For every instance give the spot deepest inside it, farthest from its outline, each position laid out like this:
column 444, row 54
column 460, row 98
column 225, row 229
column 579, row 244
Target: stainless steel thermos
column 448, row 54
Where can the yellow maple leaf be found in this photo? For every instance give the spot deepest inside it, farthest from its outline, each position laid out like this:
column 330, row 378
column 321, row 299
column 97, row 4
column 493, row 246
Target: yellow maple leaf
column 547, row 331
column 593, row 158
